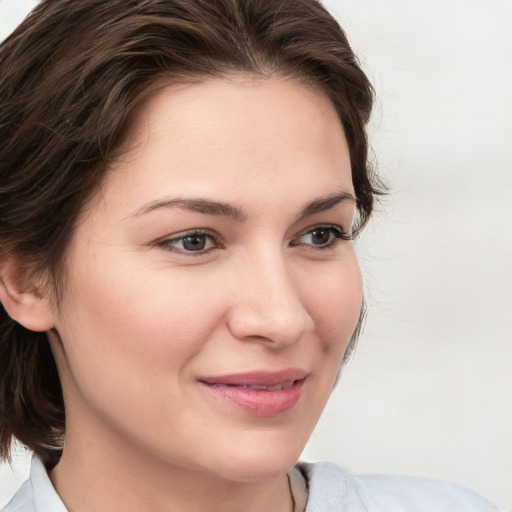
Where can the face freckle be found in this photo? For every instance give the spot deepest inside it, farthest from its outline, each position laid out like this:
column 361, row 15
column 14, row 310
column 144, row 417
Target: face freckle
column 149, row 326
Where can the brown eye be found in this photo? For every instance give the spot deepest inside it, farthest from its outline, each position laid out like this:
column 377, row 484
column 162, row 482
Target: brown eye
column 320, row 236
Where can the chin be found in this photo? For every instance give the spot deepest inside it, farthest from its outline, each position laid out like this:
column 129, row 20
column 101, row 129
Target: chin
column 259, row 464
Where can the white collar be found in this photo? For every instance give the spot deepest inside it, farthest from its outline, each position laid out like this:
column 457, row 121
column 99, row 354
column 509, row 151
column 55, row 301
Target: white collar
column 44, row 495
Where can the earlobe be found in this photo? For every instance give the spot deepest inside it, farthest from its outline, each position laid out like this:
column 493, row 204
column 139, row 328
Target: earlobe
column 22, row 298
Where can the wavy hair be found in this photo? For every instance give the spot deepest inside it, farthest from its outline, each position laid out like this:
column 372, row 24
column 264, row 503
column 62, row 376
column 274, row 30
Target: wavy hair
column 71, row 76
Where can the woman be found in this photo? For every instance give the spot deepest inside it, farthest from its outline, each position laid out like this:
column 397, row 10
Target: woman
column 181, row 182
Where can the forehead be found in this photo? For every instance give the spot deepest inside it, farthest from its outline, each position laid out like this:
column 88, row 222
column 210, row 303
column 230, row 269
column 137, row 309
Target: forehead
column 238, row 132
column 264, row 103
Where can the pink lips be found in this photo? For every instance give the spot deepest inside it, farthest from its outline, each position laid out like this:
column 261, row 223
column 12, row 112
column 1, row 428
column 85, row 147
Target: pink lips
column 259, row 393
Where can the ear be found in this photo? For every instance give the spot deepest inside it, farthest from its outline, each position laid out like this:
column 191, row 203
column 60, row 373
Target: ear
column 22, row 298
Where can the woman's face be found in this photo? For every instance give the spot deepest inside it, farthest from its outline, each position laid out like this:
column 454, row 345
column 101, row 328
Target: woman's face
column 210, row 293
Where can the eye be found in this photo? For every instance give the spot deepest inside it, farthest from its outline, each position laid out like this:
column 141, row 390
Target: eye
column 322, row 237
column 197, row 242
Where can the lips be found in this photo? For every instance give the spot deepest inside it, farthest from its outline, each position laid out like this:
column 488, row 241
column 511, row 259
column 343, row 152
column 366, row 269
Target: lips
column 275, row 387
column 260, row 393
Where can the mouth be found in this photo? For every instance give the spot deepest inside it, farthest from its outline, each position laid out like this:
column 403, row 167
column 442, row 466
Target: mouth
column 275, row 387
column 263, row 394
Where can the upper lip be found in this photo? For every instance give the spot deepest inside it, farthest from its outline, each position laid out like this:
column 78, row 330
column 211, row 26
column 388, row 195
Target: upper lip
column 257, row 378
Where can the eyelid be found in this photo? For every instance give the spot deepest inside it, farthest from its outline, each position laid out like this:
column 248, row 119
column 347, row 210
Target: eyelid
column 341, row 234
column 166, row 242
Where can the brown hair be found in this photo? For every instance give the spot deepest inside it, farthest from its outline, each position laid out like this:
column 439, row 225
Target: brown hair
column 70, row 76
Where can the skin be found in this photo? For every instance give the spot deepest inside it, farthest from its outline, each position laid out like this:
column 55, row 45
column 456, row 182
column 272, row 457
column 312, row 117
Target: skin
column 141, row 318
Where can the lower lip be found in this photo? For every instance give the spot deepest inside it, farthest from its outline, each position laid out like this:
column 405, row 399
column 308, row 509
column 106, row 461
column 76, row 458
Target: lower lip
column 258, row 402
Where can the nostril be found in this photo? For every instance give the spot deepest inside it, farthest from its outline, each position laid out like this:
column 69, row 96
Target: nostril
column 266, row 305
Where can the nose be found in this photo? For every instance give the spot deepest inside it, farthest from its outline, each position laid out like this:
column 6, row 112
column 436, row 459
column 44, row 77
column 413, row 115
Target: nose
column 266, row 304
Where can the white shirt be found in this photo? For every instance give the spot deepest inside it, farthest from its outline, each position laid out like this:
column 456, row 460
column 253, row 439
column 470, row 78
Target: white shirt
column 331, row 489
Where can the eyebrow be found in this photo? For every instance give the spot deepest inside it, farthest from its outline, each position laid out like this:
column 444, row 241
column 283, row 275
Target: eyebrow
column 198, row 205
column 221, row 209
column 326, row 203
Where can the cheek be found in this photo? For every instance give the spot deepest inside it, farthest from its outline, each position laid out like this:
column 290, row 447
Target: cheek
column 334, row 302
column 134, row 322
column 130, row 343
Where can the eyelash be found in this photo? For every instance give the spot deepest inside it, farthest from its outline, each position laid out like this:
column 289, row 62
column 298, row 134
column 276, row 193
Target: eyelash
column 336, row 231
column 167, row 242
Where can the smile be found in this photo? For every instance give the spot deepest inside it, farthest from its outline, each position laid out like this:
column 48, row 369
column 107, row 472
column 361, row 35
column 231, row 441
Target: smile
column 264, row 394
column 277, row 387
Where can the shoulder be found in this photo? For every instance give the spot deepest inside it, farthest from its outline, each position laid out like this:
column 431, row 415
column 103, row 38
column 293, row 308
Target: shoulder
column 333, row 489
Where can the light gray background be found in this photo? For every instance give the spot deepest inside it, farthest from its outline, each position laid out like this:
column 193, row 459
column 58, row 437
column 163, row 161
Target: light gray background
column 429, row 391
